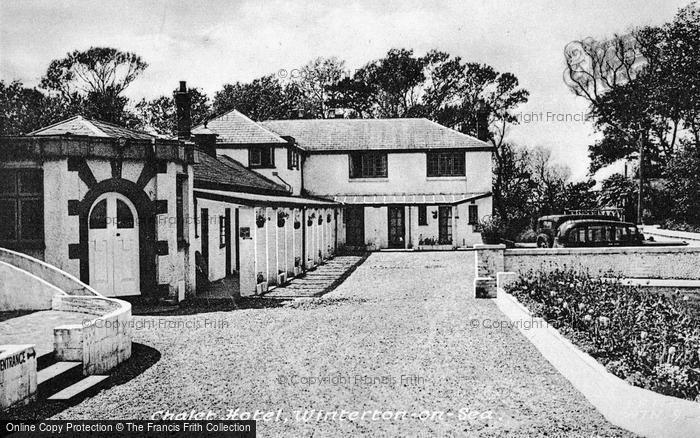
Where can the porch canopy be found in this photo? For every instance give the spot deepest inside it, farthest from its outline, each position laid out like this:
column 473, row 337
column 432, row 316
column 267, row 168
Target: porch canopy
column 434, row 199
column 259, row 200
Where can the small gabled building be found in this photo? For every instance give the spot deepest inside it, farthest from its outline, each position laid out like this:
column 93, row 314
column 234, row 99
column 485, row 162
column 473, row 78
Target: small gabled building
column 108, row 204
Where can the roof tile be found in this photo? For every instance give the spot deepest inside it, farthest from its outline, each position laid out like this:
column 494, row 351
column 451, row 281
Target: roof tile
column 79, row 125
column 235, row 128
column 372, row 134
column 229, row 172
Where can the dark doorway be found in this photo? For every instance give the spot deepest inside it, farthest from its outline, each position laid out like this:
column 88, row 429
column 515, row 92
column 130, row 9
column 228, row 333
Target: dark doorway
column 355, row 226
column 238, row 245
column 227, row 232
column 205, row 235
column 445, row 225
column 397, row 227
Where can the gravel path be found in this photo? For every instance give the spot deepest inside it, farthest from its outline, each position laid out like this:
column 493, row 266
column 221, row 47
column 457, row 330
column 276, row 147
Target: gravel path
column 398, row 314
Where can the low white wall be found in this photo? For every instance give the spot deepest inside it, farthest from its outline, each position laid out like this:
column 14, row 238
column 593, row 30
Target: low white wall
column 20, row 290
column 17, row 374
column 630, row 262
column 49, row 273
column 654, row 230
column 101, row 343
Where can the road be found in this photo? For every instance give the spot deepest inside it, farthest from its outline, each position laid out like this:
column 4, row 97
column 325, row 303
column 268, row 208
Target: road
column 399, row 349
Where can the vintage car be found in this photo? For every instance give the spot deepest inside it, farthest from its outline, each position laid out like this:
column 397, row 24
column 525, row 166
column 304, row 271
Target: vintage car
column 597, row 232
column 548, row 226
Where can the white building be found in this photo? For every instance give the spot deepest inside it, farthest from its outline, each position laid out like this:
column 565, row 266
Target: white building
column 404, row 182
column 236, row 201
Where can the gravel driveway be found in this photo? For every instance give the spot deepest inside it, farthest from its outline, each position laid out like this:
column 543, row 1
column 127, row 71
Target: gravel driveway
column 401, row 338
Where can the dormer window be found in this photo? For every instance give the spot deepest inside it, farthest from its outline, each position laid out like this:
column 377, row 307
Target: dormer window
column 261, row 156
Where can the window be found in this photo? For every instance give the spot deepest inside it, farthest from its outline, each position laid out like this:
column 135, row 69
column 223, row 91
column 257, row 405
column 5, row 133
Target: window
column 21, row 208
column 180, row 204
column 292, row 158
column 422, row 215
column 368, row 165
column 473, row 214
column 98, row 216
column 261, row 156
column 125, row 219
column 446, row 163
column 222, row 232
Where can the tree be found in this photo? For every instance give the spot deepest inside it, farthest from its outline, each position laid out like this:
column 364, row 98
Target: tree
column 23, row 109
column 512, row 186
column 641, row 87
column 316, row 84
column 682, row 183
column 262, row 99
column 578, row 196
column 549, row 182
column 620, row 192
column 388, row 87
column 160, row 113
column 97, row 78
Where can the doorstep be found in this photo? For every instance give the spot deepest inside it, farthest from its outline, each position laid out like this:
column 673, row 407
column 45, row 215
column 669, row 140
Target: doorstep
column 639, row 410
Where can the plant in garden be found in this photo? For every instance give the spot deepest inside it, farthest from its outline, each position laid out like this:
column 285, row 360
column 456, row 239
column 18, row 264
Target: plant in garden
column 651, row 340
column 491, row 229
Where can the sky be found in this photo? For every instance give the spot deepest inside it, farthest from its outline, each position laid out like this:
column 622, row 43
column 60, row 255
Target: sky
column 210, row 43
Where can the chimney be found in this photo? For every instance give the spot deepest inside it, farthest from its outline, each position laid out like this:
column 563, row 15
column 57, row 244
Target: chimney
column 482, row 125
column 184, row 119
column 205, row 139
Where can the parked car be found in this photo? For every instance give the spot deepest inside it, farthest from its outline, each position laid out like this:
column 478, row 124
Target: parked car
column 597, row 232
column 548, row 226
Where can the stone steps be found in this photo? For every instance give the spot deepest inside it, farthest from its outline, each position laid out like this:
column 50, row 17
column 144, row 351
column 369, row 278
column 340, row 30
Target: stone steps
column 317, row 281
column 57, row 376
column 64, row 380
column 86, row 386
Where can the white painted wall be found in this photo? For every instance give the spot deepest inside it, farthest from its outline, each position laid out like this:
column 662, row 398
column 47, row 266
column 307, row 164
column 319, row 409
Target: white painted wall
column 60, row 229
column 329, row 174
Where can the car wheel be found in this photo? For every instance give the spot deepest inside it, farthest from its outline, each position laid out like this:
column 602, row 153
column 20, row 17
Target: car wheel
column 542, row 242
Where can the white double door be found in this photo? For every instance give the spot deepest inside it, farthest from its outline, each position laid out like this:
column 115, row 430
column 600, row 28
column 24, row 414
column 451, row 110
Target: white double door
column 113, row 239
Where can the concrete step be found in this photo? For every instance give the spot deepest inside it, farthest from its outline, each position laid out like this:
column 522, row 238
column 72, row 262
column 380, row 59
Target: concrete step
column 57, row 376
column 87, row 386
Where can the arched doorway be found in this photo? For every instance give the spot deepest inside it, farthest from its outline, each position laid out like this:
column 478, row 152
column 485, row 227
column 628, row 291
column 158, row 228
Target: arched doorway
column 113, row 246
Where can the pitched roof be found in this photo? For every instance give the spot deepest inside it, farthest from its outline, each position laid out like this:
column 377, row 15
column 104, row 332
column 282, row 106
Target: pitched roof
column 79, row 125
column 227, row 172
column 235, row 128
column 372, row 134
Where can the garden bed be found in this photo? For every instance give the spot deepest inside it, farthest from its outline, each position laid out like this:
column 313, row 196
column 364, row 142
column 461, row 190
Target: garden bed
column 650, row 340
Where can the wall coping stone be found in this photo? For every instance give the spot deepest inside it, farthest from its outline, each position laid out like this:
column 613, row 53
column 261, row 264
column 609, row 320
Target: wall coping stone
column 606, row 250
